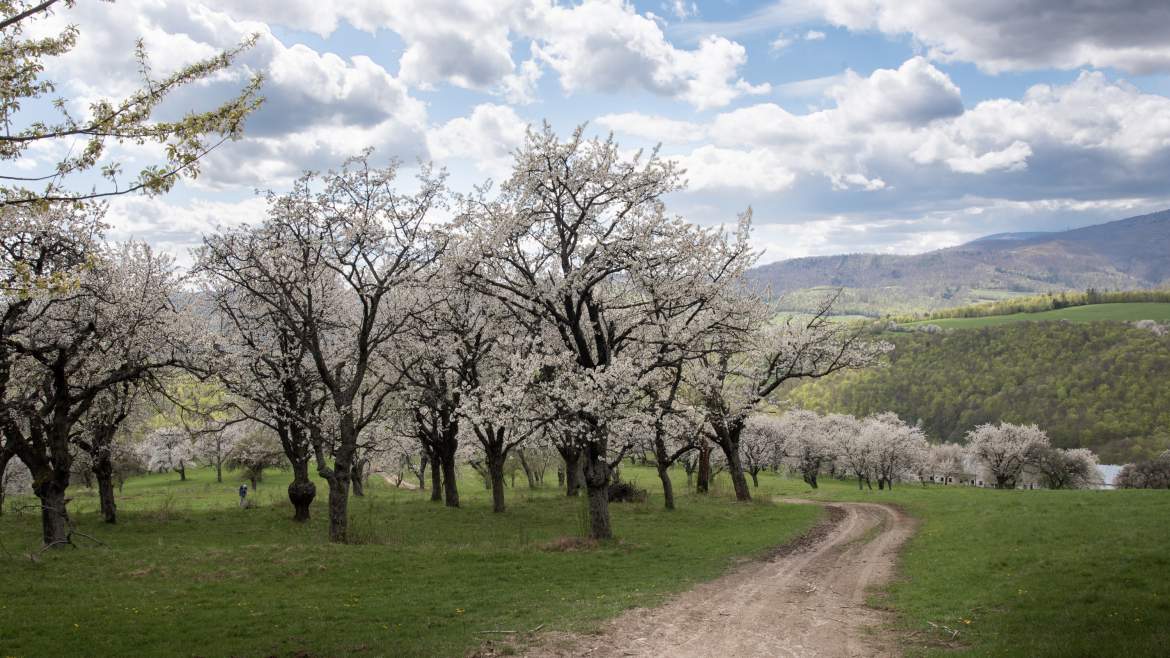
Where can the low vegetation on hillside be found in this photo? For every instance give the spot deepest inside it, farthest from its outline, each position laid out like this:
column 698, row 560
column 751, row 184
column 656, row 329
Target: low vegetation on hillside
column 1042, row 303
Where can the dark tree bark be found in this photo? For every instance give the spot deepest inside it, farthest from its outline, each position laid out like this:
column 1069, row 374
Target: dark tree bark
column 103, row 470
column 596, row 471
column 436, row 480
column 50, row 489
column 667, row 487
column 496, row 473
column 339, row 508
column 355, row 478
column 727, row 437
column 703, row 483
column 527, row 470
column 301, row 491
column 450, row 487
column 5, row 458
column 573, row 465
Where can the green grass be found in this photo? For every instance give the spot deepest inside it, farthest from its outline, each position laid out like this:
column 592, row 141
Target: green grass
column 1026, row 573
column 186, row 572
column 1017, row 573
column 1119, row 312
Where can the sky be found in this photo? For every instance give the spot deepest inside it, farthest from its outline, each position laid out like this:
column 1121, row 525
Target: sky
column 892, row 126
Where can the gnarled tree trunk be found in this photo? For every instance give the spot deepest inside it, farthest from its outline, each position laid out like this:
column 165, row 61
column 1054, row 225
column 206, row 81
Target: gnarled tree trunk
column 596, row 471
column 301, row 491
column 50, row 490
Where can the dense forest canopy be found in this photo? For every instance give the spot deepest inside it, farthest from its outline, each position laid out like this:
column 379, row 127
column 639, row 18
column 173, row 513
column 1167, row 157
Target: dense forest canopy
column 1098, row 385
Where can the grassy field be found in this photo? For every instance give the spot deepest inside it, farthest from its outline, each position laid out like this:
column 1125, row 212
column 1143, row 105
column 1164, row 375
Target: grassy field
column 1026, row 573
column 186, row 572
column 1019, row 573
column 1120, row 312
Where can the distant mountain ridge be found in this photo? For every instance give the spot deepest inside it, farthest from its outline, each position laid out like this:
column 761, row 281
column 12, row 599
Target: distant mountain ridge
column 1132, row 253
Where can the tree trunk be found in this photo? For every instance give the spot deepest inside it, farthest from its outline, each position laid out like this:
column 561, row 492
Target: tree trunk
column 703, row 485
column 104, row 471
column 496, row 472
column 54, row 517
column 5, row 458
column 182, row 471
column 422, row 474
column 755, row 479
column 339, row 507
column 572, row 457
column 730, row 446
column 355, row 479
column 667, row 487
column 596, row 472
column 219, row 470
column 436, row 480
column 859, row 487
column 527, row 471
column 450, row 487
column 301, row 491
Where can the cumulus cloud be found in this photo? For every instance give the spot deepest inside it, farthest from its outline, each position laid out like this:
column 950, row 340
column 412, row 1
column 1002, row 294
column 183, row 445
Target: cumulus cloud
column 594, row 45
column 487, row 137
column 1011, row 35
column 906, row 129
column 319, row 107
column 604, row 45
column 710, row 167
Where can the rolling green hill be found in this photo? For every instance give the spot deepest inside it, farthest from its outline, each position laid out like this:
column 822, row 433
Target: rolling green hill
column 1100, row 385
column 1158, row 311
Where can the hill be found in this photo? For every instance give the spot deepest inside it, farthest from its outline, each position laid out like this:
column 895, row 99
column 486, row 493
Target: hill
column 1099, row 385
column 1128, row 254
column 1157, row 311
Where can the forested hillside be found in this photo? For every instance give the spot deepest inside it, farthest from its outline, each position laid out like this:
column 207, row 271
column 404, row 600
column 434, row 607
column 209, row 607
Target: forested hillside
column 1101, row 385
column 1127, row 254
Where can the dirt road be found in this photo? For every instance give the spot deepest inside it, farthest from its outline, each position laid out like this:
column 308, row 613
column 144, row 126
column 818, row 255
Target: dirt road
column 807, row 600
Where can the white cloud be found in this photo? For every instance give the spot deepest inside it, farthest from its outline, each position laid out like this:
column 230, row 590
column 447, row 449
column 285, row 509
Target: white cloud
column 487, row 137
column 1011, row 35
column 604, row 45
column 683, row 9
column 780, row 43
column 176, row 227
column 653, row 128
column 710, row 167
column 1091, row 115
column 814, row 35
column 320, row 108
column 914, row 94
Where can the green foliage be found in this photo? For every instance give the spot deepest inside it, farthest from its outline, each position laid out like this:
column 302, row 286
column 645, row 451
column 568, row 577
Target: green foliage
column 1025, row 573
column 187, row 572
column 1098, row 385
column 1117, row 312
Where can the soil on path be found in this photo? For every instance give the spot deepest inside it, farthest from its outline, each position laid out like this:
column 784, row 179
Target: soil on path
column 807, row 599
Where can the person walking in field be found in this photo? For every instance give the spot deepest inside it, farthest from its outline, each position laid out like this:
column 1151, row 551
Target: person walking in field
column 243, row 495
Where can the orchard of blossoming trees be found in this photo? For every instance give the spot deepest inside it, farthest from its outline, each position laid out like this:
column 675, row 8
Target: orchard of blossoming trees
column 563, row 320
